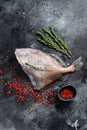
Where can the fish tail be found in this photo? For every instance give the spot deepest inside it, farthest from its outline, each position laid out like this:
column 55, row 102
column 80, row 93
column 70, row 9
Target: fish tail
column 78, row 63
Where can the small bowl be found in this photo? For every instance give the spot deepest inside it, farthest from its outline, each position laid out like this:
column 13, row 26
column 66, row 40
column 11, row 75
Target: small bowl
column 72, row 88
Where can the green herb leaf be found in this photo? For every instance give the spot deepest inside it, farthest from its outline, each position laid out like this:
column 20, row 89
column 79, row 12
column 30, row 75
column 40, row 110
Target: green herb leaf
column 50, row 39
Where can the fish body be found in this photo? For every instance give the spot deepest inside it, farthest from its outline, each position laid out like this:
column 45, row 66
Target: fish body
column 42, row 68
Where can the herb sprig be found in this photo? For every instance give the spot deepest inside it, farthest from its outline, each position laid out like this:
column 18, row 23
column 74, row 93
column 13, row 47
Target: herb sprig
column 38, row 68
column 51, row 39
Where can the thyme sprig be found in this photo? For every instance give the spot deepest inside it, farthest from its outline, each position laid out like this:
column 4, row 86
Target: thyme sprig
column 38, row 68
column 50, row 38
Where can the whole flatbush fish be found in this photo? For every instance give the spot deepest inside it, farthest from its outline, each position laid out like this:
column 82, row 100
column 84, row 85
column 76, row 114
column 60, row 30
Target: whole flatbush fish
column 43, row 68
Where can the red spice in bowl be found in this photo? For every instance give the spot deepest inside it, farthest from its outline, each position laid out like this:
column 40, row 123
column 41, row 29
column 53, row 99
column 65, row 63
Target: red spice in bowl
column 67, row 93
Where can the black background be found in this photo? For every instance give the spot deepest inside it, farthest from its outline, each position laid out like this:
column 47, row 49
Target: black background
column 19, row 21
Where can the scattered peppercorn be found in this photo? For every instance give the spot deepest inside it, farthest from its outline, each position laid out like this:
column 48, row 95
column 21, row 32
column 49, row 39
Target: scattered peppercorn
column 9, row 92
column 23, row 90
column 1, row 72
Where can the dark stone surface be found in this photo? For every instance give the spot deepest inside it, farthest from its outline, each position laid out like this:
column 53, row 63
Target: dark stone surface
column 19, row 21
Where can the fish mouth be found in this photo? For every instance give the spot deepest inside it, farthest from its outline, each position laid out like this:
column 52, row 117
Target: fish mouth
column 17, row 55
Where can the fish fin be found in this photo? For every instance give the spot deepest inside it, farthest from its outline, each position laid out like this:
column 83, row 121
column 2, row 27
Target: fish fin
column 33, row 80
column 37, row 84
column 78, row 63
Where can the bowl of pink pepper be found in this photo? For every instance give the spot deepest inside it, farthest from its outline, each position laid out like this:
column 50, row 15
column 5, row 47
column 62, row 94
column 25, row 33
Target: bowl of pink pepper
column 67, row 93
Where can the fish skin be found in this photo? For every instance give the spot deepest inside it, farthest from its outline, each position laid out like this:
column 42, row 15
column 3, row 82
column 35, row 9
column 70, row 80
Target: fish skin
column 39, row 59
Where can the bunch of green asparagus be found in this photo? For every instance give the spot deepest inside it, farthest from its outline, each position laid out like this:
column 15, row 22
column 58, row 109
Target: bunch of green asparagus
column 50, row 38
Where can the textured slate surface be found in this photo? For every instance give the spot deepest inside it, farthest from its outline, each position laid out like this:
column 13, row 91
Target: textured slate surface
column 19, row 21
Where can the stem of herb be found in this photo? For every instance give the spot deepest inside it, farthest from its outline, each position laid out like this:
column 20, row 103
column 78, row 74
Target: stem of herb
column 38, row 68
column 54, row 41
column 61, row 41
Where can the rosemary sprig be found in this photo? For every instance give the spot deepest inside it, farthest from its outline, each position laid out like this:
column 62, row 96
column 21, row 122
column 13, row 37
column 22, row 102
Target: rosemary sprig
column 53, row 41
column 60, row 40
column 54, row 46
column 53, row 37
column 38, row 68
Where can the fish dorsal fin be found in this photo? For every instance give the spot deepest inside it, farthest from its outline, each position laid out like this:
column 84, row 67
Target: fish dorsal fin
column 58, row 59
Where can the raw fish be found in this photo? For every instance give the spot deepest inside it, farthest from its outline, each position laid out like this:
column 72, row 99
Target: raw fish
column 43, row 68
